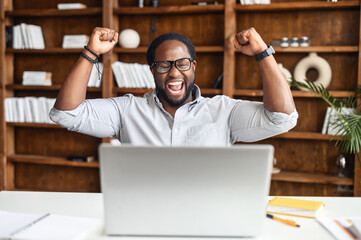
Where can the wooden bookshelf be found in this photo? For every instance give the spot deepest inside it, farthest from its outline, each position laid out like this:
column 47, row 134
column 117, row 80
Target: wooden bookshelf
column 306, row 157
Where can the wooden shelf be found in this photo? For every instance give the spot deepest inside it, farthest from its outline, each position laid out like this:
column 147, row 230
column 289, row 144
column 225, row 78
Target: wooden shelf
column 184, row 9
column 32, row 125
column 46, row 160
column 291, row 6
column 46, row 50
column 320, row 49
column 199, row 49
column 53, row 12
column 306, row 136
column 54, row 87
column 311, row 178
column 295, row 93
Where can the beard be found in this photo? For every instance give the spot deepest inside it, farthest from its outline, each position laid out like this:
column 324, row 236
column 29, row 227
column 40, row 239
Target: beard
column 162, row 92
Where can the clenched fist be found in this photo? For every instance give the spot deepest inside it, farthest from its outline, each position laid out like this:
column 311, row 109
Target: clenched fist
column 249, row 42
column 102, row 40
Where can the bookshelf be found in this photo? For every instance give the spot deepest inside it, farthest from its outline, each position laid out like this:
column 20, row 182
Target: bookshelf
column 305, row 156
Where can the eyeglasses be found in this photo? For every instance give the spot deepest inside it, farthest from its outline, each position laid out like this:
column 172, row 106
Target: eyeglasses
column 182, row 64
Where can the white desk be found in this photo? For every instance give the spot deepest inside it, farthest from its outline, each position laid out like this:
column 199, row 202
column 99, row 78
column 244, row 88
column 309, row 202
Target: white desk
column 91, row 205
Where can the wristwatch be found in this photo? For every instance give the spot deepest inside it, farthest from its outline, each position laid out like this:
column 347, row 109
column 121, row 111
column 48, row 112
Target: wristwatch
column 265, row 53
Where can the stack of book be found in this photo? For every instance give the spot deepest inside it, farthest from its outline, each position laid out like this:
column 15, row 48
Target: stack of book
column 25, row 36
column 251, row 2
column 36, row 78
column 68, row 6
column 28, row 109
column 133, row 75
column 75, row 41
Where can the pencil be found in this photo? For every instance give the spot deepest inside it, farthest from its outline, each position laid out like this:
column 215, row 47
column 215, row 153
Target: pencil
column 285, row 221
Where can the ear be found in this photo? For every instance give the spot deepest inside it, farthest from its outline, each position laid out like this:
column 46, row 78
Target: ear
column 152, row 70
column 194, row 65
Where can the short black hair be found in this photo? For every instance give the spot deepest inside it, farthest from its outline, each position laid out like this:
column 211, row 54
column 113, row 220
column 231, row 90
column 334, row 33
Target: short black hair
column 169, row 36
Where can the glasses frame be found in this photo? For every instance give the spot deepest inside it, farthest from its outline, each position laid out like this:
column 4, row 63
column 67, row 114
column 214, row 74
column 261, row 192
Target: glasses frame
column 173, row 63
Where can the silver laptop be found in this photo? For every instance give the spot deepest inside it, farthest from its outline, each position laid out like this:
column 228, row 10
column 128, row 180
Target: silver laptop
column 185, row 191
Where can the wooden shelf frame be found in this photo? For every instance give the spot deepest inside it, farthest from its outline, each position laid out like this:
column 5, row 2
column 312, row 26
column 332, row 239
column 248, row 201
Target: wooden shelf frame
column 110, row 13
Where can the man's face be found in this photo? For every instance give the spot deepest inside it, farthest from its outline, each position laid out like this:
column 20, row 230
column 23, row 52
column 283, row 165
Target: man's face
column 175, row 86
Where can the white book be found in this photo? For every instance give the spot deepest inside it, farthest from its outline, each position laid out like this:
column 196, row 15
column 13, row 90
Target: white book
column 66, row 6
column 34, row 106
column 75, row 41
column 43, row 114
column 17, row 42
column 332, row 129
column 124, row 75
column 20, row 109
column 141, row 75
column 128, row 79
column 36, row 35
column 7, row 110
column 116, row 73
column 11, row 106
column 24, row 35
column 133, row 71
column 26, row 226
column 37, row 78
column 27, row 107
column 325, row 122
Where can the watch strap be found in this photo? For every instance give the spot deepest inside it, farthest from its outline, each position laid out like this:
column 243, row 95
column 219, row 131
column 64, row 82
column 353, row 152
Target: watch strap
column 264, row 54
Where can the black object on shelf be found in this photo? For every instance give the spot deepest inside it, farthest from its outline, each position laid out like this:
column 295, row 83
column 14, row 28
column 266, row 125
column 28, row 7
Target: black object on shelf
column 218, row 83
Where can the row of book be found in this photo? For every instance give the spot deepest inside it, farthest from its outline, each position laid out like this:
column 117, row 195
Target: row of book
column 133, row 75
column 251, row 2
column 28, row 109
column 24, row 36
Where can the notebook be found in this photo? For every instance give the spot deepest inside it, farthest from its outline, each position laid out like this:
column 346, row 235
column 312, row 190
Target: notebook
column 185, row 191
column 295, row 207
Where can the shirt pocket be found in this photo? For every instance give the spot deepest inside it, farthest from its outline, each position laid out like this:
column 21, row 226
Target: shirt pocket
column 203, row 135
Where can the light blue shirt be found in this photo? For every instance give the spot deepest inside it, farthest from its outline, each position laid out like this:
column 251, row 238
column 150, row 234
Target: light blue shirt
column 216, row 121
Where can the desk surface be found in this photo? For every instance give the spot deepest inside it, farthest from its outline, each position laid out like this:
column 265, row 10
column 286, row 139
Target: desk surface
column 91, row 205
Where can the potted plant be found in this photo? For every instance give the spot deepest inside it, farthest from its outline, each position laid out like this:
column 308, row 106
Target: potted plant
column 348, row 124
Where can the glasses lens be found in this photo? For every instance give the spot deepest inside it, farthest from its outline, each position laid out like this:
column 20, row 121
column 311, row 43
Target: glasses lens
column 183, row 64
column 163, row 67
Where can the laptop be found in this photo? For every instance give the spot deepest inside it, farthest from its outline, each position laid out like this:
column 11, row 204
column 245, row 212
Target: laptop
column 185, row 191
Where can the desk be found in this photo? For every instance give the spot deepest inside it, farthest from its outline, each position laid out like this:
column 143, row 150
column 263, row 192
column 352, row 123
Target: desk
column 91, row 205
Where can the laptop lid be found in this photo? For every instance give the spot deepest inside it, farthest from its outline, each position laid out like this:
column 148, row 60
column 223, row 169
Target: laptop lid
column 185, row 191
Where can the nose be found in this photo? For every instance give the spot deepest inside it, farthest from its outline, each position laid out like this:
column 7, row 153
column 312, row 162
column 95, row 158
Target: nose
column 174, row 72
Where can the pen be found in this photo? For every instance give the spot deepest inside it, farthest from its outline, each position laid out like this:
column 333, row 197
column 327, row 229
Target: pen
column 285, row 221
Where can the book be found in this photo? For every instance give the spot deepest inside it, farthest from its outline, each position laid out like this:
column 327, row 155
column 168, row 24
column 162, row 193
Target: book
column 295, row 207
column 75, row 41
column 347, row 228
column 37, row 78
column 66, row 6
column 14, row 225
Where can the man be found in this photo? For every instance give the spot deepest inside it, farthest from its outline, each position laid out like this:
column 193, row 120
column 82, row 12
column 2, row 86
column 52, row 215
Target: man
column 176, row 113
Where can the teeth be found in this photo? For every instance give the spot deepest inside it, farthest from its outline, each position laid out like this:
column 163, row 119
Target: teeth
column 175, row 83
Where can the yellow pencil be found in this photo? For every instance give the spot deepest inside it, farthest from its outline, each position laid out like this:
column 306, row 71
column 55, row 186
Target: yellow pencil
column 285, row 221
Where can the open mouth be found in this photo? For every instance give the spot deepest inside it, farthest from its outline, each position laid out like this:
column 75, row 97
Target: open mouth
column 175, row 87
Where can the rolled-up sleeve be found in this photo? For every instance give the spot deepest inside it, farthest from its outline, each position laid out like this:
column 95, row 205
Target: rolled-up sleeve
column 251, row 121
column 96, row 117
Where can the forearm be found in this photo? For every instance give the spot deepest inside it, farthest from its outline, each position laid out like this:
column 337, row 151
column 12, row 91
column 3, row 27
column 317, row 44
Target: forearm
column 73, row 90
column 277, row 96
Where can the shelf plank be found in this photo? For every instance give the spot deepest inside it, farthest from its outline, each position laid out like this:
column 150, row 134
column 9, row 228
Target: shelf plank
column 53, row 12
column 289, row 6
column 32, row 125
column 45, row 51
column 306, row 136
column 199, row 49
column 295, row 93
column 46, row 160
column 323, row 49
column 54, row 87
column 185, row 9
column 311, row 178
